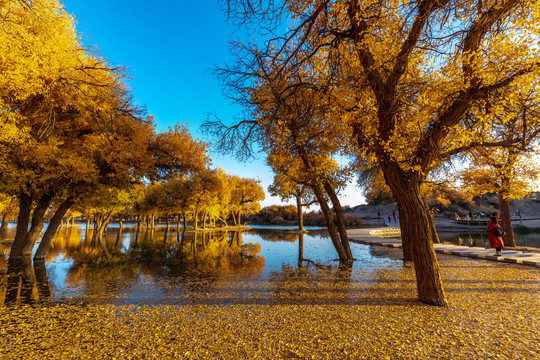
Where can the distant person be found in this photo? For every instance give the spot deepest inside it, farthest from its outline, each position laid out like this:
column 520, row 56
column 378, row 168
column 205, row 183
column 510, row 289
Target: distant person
column 389, row 219
column 379, row 214
column 495, row 234
column 395, row 218
column 496, row 214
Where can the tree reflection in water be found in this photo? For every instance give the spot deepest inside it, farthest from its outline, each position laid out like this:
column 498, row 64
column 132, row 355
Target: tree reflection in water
column 149, row 266
column 26, row 283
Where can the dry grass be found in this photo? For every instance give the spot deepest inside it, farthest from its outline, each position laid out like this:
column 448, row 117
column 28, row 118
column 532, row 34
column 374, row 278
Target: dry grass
column 494, row 313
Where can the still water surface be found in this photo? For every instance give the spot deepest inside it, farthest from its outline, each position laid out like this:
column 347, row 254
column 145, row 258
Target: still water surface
column 155, row 266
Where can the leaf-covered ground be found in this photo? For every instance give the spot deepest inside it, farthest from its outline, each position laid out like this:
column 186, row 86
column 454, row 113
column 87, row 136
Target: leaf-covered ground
column 494, row 313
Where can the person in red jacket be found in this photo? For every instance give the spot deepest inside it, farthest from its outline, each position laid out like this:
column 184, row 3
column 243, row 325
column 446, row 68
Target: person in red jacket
column 495, row 234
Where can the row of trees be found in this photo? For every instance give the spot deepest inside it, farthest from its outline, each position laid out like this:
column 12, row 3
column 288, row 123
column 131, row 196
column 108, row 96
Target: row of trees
column 72, row 138
column 398, row 86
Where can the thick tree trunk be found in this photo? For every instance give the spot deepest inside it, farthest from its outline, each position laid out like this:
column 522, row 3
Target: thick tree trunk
column 300, row 213
column 506, row 220
column 25, row 209
column 46, row 240
column 4, row 227
column 24, row 248
column 339, row 219
column 204, row 220
column 342, row 254
column 416, row 226
column 196, row 219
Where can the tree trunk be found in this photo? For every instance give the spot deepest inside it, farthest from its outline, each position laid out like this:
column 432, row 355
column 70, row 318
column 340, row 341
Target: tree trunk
column 46, row 240
column 4, row 227
column 339, row 219
column 24, row 248
column 506, row 221
column 300, row 214
column 25, row 209
column 342, row 254
column 168, row 222
column 415, row 225
column 204, row 220
column 196, row 219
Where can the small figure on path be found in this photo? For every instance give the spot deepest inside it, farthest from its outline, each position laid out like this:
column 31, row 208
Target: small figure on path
column 496, row 214
column 495, row 234
column 395, row 219
column 389, row 219
column 379, row 214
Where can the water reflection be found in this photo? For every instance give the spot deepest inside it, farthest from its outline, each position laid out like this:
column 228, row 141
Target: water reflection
column 150, row 266
column 26, row 282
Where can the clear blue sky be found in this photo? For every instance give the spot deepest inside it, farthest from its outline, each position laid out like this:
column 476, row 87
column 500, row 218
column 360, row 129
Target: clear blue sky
column 168, row 48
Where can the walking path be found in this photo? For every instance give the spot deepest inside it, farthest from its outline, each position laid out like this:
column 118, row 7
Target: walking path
column 363, row 236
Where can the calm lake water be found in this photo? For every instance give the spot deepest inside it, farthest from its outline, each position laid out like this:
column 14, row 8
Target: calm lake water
column 261, row 265
column 153, row 266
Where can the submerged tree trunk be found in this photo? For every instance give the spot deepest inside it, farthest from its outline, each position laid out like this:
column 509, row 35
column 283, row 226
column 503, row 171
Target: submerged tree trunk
column 506, row 220
column 46, row 240
column 415, row 226
column 300, row 250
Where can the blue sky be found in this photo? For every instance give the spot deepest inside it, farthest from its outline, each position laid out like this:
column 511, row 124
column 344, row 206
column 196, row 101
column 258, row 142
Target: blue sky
column 169, row 48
